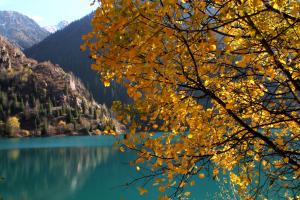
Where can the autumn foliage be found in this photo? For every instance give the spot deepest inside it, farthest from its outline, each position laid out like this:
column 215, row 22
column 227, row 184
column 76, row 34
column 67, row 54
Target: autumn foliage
column 220, row 78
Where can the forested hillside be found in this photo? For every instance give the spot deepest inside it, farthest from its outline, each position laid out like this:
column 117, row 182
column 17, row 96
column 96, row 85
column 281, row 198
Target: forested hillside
column 41, row 99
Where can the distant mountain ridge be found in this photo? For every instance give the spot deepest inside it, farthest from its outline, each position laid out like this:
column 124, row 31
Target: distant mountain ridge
column 20, row 29
column 61, row 25
column 63, row 48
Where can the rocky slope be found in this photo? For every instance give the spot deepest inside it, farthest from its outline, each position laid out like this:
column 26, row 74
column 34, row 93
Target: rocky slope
column 20, row 29
column 62, row 48
column 41, row 99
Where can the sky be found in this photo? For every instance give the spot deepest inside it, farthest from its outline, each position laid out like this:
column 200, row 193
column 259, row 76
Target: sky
column 49, row 12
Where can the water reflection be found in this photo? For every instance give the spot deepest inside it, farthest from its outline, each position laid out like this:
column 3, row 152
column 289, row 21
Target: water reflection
column 45, row 173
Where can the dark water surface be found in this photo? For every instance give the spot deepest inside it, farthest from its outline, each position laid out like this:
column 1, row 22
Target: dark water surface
column 74, row 168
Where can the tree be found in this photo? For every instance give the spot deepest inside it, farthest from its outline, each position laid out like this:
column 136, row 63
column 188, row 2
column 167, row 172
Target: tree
column 37, row 122
column 22, row 105
column 2, row 115
column 70, row 117
column 12, row 125
column 222, row 78
column 83, row 107
column 95, row 113
column 49, row 106
column 45, row 128
column 91, row 110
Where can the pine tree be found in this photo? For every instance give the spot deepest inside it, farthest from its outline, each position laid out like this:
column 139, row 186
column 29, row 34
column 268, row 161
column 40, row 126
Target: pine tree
column 66, row 90
column 15, row 104
column 74, row 124
column 35, row 89
column 70, row 117
column 45, row 127
column 95, row 114
column 84, row 107
column 63, row 109
column 33, row 101
column 37, row 122
column 22, row 105
column 91, row 110
column 76, row 113
column 43, row 111
column 50, row 106
column 1, row 112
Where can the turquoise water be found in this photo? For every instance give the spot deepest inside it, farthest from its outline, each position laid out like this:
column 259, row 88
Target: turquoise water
column 75, row 168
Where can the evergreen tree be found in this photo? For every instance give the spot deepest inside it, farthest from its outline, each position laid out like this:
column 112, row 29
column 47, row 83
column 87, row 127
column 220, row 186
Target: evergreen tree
column 4, row 100
column 1, row 97
column 50, row 106
column 76, row 112
column 1, row 112
column 95, row 114
column 37, row 122
column 91, row 128
column 74, row 124
column 33, row 101
column 79, row 118
column 66, row 90
column 91, row 110
column 45, row 127
column 43, row 111
column 35, row 89
column 70, row 117
column 84, row 107
column 63, row 109
column 22, row 105
column 15, row 104
column 9, row 109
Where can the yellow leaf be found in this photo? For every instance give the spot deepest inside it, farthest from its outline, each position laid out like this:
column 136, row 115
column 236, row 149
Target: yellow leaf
column 162, row 189
column 163, row 198
column 142, row 191
column 192, row 183
column 279, row 141
column 212, row 47
column 155, row 126
column 187, row 194
column 229, row 105
column 106, row 83
column 215, row 172
column 201, row 175
column 122, row 149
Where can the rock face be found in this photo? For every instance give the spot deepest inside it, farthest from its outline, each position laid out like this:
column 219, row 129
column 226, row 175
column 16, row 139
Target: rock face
column 20, row 29
column 45, row 99
column 62, row 47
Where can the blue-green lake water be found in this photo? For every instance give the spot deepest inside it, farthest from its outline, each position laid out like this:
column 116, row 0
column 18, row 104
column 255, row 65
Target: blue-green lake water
column 75, row 168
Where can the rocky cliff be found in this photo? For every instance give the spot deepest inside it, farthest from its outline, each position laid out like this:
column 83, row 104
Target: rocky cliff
column 41, row 99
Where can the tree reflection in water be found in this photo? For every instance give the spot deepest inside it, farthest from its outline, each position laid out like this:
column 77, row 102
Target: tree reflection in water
column 48, row 172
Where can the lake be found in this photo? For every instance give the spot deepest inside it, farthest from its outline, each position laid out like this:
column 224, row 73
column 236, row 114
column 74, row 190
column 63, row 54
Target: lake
column 75, row 168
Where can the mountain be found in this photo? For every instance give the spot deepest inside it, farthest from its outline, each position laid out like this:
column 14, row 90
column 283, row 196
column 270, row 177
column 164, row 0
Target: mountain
column 41, row 99
column 20, row 29
column 63, row 48
column 61, row 25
